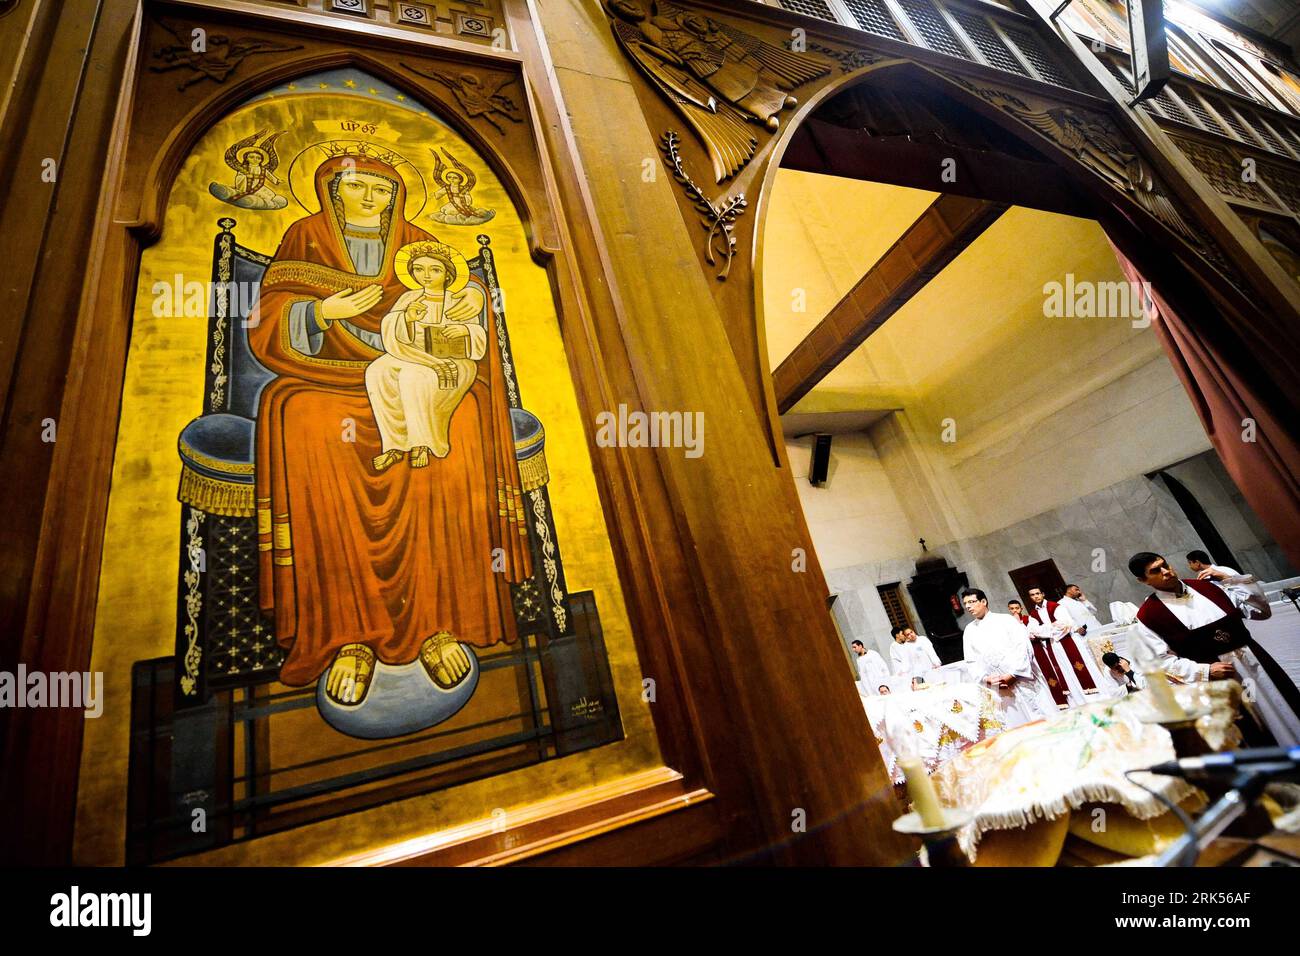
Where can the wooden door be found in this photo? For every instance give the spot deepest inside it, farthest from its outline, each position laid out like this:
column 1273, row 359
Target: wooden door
column 1042, row 574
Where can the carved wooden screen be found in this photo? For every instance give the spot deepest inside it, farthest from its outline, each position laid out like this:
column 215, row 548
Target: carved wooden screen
column 354, row 549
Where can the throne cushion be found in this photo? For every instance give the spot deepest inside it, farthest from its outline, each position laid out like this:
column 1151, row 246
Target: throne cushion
column 217, row 465
column 219, row 446
column 530, row 440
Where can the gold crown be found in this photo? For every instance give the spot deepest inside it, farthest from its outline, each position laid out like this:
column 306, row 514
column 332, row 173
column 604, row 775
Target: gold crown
column 366, row 150
column 457, row 267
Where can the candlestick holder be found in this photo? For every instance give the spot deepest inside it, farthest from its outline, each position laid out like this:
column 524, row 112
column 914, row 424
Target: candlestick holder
column 940, row 842
column 1187, row 740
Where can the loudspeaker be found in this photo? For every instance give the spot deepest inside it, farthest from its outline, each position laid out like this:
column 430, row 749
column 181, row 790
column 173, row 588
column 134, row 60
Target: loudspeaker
column 821, row 460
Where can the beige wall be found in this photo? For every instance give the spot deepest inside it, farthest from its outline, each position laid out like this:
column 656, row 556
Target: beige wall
column 1056, row 420
column 855, row 516
column 1045, row 410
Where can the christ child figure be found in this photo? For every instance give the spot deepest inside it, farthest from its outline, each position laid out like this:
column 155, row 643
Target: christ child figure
column 433, row 341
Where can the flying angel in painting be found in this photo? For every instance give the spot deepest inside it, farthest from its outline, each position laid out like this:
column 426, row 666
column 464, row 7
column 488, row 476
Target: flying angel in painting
column 455, row 191
column 254, row 165
column 720, row 79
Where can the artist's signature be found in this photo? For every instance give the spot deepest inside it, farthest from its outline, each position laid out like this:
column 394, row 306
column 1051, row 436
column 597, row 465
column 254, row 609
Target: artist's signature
column 586, row 707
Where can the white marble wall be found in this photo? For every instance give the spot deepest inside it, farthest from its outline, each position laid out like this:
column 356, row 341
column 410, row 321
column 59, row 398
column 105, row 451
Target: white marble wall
column 1090, row 540
column 1102, row 530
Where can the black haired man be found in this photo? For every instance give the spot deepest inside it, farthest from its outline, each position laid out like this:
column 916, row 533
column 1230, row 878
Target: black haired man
column 1196, row 630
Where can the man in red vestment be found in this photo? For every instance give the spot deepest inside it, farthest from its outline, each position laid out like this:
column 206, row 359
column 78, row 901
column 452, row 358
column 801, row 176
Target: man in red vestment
column 360, row 566
column 1017, row 610
column 1050, row 628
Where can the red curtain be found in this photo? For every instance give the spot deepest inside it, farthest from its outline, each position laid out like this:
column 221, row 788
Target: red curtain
column 1265, row 468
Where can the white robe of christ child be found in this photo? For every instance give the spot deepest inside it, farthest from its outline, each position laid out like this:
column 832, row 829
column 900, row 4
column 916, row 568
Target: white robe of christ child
column 999, row 644
column 412, row 393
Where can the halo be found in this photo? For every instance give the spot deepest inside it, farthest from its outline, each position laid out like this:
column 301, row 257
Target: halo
column 302, row 172
column 243, row 154
column 434, row 249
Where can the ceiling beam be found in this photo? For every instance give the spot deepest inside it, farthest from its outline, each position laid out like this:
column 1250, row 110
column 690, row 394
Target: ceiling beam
column 949, row 225
column 818, row 146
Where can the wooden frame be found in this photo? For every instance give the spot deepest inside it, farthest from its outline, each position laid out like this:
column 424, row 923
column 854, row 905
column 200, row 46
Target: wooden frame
column 728, row 792
column 742, row 734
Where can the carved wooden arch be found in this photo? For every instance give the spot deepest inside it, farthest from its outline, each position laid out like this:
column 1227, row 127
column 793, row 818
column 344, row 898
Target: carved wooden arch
column 145, row 210
column 1120, row 213
column 1143, row 199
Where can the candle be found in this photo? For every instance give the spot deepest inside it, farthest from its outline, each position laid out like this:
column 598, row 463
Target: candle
column 1162, row 696
column 921, row 790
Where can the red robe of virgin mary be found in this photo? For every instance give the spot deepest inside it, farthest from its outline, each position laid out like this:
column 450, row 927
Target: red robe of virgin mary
column 348, row 555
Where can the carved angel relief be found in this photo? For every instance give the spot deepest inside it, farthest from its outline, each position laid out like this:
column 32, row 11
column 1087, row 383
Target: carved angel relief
column 210, row 56
column 720, row 79
column 479, row 97
column 1095, row 140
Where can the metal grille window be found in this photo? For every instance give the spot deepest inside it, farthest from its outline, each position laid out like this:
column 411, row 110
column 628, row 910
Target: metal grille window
column 873, row 17
column 812, row 8
column 1232, row 119
column 1193, row 101
column 1294, row 133
column 1033, row 50
column 993, row 49
column 1285, row 137
column 932, row 27
column 1270, row 137
column 1117, row 71
column 1171, row 107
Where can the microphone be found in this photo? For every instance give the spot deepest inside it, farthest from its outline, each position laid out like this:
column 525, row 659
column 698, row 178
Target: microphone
column 1212, row 767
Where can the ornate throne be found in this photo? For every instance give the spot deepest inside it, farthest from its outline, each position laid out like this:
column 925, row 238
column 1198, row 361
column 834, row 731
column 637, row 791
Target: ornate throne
column 202, row 721
column 222, row 637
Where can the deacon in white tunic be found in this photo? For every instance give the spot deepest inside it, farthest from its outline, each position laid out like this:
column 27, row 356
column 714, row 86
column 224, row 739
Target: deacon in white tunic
column 1195, row 630
column 911, row 654
column 997, row 647
column 1200, row 564
column 873, row 672
column 1082, row 611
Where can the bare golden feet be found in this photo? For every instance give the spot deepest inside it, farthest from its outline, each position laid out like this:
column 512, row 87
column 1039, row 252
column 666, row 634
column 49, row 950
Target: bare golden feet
column 419, row 456
column 446, row 661
column 349, row 676
column 387, row 459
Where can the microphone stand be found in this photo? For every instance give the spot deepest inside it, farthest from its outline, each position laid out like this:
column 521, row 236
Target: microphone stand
column 1245, row 789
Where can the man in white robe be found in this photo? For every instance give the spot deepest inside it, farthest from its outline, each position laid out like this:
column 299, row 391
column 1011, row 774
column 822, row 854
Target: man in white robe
column 911, row 654
column 997, row 647
column 1204, row 570
column 1195, row 630
column 1082, row 611
column 873, row 672
column 1084, row 614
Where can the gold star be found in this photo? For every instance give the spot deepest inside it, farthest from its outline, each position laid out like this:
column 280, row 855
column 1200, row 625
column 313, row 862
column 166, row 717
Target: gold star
column 324, row 86
column 401, row 97
column 350, row 84
column 373, row 91
column 293, row 86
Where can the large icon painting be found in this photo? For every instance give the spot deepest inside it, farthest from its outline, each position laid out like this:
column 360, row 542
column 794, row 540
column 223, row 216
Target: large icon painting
column 392, row 574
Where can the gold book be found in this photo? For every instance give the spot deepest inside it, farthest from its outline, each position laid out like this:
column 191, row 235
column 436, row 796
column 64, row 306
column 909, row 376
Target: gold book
column 432, row 342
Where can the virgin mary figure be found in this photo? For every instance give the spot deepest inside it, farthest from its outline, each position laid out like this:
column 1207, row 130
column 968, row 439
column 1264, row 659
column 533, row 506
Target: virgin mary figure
column 358, row 566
